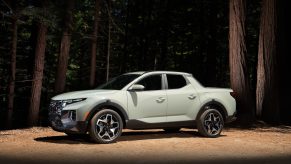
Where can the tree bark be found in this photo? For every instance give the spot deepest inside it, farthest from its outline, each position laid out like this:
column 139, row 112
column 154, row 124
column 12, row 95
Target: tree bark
column 37, row 75
column 94, row 44
column 64, row 49
column 239, row 79
column 267, row 85
column 11, row 85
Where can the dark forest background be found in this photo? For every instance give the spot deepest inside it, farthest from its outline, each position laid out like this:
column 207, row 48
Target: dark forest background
column 50, row 47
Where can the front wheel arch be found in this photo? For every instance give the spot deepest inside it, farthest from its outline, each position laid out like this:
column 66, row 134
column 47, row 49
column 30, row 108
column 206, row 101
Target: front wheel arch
column 108, row 105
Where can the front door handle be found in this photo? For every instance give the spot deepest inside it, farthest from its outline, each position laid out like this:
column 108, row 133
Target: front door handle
column 191, row 97
column 160, row 99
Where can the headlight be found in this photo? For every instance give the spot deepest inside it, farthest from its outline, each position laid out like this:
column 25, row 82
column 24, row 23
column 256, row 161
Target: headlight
column 71, row 101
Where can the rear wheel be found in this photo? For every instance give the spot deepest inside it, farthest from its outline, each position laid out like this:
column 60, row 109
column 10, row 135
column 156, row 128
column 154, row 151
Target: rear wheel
column 210, row 123
column 172, row 130
column 106, row 126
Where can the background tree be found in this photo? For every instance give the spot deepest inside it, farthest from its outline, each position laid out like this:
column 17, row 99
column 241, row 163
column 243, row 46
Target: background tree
column 108, row 6
column 60, row 82
column 36, row 88
column 11, row 86
column 239, row 77
column 267, row 98
column 94, row 44
column 37, row 75
column 191, row 36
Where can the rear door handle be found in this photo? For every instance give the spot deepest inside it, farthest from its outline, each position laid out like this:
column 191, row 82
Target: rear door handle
column 160, row 99
column 191, row 97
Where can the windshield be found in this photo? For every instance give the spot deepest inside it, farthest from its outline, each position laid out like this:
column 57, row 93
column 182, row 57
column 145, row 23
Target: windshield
column 119, row 82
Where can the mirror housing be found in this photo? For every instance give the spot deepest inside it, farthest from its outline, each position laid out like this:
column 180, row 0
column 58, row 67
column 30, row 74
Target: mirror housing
column 136, row 87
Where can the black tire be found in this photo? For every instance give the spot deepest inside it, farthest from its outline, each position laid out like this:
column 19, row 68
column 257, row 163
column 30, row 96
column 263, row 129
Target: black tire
column 105, row 127
column 172, row 130
column 210, row 123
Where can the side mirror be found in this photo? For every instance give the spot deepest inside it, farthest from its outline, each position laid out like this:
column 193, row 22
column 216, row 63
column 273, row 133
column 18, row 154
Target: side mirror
column 136, row 87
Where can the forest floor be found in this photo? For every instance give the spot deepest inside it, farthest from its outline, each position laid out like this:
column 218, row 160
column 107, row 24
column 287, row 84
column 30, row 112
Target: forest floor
column 43, row 145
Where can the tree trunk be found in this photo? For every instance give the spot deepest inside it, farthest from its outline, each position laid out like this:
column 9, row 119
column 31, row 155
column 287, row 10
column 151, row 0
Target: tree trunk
column 239, row 79
column 109, row 42
column 64, row 49
column 267, row 88
column 11, row 86
column 37, row 75
column 94, row 45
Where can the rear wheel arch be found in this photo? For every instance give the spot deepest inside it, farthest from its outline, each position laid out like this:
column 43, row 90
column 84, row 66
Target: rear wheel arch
column 213, row 104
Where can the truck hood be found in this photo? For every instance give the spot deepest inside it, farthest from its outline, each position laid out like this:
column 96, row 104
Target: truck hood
column 83, row 94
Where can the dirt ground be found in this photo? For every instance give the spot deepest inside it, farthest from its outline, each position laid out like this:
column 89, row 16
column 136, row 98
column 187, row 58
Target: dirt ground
column 43, row 145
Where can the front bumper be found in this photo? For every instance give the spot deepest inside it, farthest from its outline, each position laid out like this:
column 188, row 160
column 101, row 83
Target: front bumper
column 65, row 120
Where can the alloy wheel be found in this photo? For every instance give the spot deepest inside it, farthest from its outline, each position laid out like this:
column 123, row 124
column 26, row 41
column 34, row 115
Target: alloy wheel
column 213, row 123
column 107, row 127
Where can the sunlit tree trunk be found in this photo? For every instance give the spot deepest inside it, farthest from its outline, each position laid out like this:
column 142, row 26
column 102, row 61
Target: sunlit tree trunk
column 64, row 48
column 94, row 45
column 239, row 78
column 267, row 101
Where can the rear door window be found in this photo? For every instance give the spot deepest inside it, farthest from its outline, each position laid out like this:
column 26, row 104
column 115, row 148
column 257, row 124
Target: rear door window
column 176, row 81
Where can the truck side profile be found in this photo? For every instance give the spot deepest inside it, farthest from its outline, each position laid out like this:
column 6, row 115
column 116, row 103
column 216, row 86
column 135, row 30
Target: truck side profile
column 143, row 100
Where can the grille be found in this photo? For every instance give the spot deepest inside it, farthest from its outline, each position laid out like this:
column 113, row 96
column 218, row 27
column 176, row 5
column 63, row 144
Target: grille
column 55, row 113
column 55, row 107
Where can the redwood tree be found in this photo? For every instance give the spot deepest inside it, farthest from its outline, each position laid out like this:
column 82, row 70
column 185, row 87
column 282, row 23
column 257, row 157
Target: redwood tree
column 267, row 81
column 94, row 44
column 239, row 78
column 64, row 48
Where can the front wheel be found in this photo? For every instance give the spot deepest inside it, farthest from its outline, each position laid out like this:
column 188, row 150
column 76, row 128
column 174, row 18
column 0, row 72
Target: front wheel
column 106, row 126
column 210, row 123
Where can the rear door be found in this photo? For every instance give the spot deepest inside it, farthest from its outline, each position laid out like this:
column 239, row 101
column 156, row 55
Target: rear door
column 182, row 98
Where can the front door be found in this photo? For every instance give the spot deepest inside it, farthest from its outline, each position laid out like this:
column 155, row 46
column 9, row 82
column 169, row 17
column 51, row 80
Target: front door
column 150, row 104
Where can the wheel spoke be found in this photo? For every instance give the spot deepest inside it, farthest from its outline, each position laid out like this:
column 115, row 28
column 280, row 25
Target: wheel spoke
column 209, row 128
column 213, row 130
column 109, row 118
